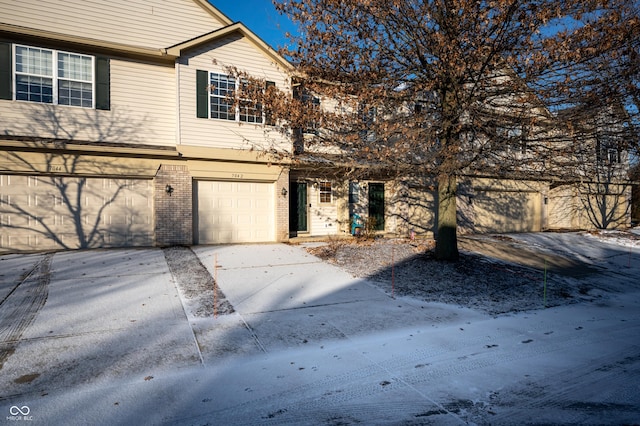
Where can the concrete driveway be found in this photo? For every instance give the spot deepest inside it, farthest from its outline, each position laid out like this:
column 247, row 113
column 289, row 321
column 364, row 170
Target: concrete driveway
column 308, row 344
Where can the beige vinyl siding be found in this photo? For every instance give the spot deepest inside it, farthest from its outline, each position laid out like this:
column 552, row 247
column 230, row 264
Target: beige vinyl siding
column 323, row 217
column 142, row 111
column 145, row 94
column 154, row 24
column 214, row 57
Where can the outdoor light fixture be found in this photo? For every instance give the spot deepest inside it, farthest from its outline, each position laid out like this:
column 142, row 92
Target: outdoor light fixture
column 169, row 189
column 284, row 192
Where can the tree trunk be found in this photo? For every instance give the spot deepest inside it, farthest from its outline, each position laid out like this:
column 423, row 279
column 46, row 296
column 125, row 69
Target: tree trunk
column 446, row 237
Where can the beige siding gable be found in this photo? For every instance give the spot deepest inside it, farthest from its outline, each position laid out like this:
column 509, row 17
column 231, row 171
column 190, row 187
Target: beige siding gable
column 233, row 50
column 152, row 24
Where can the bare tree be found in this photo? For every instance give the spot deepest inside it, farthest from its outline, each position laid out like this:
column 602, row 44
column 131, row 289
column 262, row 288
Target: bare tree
column 447, row 87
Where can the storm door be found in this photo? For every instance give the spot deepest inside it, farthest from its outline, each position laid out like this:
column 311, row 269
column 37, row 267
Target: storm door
column 298, row 208
column 376, row 205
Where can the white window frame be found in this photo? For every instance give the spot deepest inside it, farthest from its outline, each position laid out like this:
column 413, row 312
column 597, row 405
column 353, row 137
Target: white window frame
column 221, row 99
column 243, row 107
column 55, row 76
column 321, row 192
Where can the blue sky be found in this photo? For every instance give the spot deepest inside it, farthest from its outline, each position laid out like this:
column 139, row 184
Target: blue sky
column 260, row 16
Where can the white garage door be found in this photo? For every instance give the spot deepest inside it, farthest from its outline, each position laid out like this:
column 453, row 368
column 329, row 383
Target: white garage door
column 41, row 212
column 235, row 212
column 497, row 211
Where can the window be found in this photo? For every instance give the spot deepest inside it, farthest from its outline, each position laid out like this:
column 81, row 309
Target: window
column 53, row 77
column 354, row 192
column 250, row 111
column 312, row 105
column 607, row 150
column 216, row 94
column 511, row 138
column 222, row 88
column 325, row 192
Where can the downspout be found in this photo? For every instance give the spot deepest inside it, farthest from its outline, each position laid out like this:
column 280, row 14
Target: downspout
column 178, row 128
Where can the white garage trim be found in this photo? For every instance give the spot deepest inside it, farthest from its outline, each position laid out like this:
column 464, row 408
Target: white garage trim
column 235, row 212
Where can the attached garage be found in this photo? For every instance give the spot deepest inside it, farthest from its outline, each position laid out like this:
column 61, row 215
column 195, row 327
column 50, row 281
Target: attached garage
column 504, row 211
column 47, row 212
column 235, row 212
column 561, row 208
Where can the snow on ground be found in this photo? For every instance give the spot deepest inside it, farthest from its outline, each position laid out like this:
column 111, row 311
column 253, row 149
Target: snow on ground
column 381, row 334
column 630, row 238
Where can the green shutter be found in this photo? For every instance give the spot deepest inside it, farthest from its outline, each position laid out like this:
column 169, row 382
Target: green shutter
column 268, row 114
column 5, row 71
column 202, row 94
column 103, row 95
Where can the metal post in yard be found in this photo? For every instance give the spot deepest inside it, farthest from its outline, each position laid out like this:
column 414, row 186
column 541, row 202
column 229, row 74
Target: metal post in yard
column 393, row 266
column 545, row 283
column 215, row 285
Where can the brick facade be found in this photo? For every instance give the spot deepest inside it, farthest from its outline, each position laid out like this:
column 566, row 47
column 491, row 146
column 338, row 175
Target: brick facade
column 173, row 210
column 282, row 206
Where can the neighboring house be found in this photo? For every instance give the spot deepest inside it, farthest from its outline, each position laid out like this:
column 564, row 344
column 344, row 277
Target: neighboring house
column 116, row 129
column 326, row 194
column 597, row 192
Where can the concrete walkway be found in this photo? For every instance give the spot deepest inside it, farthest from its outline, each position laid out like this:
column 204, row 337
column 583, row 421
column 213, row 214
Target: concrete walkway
column 285, row 297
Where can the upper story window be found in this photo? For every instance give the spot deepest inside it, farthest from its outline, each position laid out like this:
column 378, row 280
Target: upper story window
column 510, row 139
column 311, row 104
column 219, row 97
column 608, row 150
column 222, row 88
column 249, row 111
column 53, row 77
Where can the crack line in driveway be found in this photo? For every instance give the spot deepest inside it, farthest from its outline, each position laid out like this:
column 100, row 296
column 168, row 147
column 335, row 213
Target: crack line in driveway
column 22, row 306
column 249, row 296
column 22, row 279
column 308, row 306
column 278, row 265
column 253, row 334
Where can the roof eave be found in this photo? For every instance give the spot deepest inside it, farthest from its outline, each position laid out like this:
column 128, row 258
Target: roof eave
column 16, row 30
column 178, row 49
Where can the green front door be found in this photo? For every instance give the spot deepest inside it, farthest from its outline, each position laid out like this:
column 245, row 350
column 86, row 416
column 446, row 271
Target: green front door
column 376, row 205
column 298, row 208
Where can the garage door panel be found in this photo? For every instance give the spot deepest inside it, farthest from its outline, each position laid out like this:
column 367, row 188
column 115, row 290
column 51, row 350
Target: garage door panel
column 243, row 187
column 110, row 212
column 220, row 219
column 224, row 187
column 241, row 212
column 262, row 204
column 497, row 211
column 224, row 203
column 243, row 203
